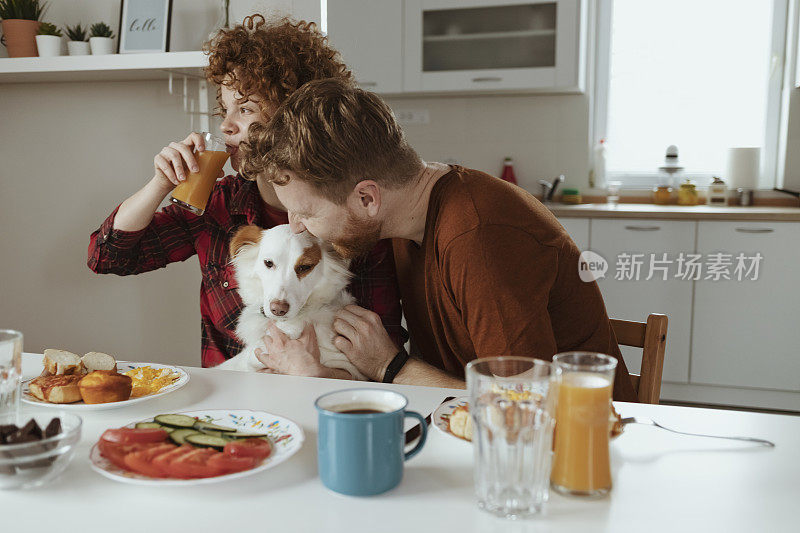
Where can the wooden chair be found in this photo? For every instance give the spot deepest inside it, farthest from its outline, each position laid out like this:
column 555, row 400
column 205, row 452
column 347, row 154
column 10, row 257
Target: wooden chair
column 651, row 336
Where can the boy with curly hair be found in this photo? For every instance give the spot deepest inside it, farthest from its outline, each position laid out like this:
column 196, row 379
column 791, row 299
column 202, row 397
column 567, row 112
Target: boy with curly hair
column 256, row 65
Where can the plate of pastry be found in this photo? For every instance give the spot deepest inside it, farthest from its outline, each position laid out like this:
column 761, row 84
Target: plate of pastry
column 98, row 381
column 452, row 418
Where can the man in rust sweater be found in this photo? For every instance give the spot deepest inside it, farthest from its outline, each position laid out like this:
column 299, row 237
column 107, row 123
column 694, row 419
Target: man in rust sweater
column 484, row 268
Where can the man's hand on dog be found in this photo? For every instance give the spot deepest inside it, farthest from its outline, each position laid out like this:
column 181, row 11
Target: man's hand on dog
column 295, row 357
column 364, row 340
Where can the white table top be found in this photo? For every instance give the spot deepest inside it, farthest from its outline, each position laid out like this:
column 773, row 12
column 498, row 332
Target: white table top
column 662, row 482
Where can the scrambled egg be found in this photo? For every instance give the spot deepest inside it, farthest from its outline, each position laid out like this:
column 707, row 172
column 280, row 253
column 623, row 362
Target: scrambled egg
column 148, row 380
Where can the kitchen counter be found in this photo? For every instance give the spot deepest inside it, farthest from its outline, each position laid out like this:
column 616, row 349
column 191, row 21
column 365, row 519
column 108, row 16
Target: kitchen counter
column 677, row 212
column 662, row 481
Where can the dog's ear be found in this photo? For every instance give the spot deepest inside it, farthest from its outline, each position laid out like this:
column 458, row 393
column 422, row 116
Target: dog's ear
column 244, row 236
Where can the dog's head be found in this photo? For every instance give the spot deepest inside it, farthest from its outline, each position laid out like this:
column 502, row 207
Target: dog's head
column 284, row 272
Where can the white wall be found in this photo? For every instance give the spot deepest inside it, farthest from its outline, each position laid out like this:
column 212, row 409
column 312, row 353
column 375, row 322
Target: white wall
column 71, row 152
column 547, row 135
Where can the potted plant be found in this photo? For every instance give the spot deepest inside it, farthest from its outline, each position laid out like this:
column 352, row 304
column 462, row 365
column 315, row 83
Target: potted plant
column 101, row 39
column 78, row 44
column 48, row 40
column 20, row 22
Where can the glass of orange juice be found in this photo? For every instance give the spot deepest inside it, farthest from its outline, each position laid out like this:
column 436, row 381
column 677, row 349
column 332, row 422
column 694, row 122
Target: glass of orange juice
column 510, row 405
column 193, row 194
column 583, row 382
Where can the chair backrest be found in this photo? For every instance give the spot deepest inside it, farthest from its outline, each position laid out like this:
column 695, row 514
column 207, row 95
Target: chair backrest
column 651, row 336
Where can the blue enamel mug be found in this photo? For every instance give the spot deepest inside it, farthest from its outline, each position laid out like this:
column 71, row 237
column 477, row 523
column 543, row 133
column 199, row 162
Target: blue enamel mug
column 361, row 442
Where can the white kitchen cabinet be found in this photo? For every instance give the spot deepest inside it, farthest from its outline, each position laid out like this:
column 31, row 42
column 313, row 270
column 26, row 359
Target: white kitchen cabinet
column 747, row 333
column 578, row 229
column 370, row 39
column 494, row 45
column 630, row 299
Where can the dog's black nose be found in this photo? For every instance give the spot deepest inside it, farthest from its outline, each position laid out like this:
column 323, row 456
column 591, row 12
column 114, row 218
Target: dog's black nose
column 279, row 307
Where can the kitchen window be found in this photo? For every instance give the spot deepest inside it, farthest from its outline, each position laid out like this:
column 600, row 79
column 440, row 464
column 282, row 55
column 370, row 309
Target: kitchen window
column 703, row 75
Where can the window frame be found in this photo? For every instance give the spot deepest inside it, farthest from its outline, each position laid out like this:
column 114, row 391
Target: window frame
column 776, row 108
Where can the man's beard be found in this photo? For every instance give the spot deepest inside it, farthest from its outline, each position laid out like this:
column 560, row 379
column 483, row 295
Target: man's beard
column 358, row 238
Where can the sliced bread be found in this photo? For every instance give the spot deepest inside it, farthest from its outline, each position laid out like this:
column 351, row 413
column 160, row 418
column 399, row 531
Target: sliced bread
column 98, row 361
column 56, row 389
column 59, row 362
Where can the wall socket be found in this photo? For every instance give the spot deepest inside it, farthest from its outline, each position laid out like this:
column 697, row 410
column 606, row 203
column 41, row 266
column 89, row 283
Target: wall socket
column 412, row 117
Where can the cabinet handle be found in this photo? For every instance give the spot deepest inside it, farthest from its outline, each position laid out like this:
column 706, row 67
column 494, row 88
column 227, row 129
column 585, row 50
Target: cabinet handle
column 487, row 78
column 367, row 83
column 643, row 228
column 755, row 230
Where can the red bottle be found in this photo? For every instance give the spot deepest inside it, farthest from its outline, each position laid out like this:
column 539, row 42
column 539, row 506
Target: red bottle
column 508, row 171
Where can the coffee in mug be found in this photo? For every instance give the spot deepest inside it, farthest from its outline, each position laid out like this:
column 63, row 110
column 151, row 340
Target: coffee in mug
column 361, row 442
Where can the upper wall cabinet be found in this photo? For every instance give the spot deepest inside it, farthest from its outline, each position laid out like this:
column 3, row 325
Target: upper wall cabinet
column 494, row 45
column 369, row 36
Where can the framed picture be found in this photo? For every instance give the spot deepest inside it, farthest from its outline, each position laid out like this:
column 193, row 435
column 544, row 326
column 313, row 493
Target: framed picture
column 144, row 26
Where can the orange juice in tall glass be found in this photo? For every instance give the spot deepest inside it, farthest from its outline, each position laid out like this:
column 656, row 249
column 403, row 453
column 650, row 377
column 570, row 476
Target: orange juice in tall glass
column 581, row 457
column 193, row 194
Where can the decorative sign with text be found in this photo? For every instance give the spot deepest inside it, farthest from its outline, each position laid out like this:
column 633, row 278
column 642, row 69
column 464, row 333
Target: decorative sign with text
column 144, row 26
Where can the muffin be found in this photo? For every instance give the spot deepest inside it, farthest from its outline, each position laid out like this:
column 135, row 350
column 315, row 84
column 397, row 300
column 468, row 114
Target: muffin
column 103, row 386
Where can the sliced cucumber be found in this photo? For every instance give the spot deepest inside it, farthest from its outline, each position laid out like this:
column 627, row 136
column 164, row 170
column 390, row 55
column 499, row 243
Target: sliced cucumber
column 175, row 421
column 239, row 435
column 148, row 425
column 219, row 434
column 208, row 426
column 207, row 441
column 179, row 435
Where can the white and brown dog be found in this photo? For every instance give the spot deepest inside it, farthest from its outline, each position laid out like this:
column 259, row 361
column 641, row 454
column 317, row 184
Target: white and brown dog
column 292, row 280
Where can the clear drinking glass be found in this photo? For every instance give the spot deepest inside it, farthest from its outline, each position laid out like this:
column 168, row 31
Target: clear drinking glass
column 10, row 374
column 193, row 194
column 583, row 383
column 512, row 413
column 613, row 187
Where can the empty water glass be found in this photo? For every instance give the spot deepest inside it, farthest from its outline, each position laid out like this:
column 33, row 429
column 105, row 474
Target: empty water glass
column 513, row 420
column 10, row 373
column 613, row 187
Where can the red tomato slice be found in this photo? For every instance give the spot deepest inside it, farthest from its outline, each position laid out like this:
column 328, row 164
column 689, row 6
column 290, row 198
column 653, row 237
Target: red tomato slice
column 259, row 449
column 116, row 453
column 134, row 436
column 141, row 461
column 228, row 464
column 163, row 460
column 194, row 465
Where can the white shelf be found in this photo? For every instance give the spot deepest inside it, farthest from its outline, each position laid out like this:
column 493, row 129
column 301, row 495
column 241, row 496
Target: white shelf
column 112, row 67
column 488, row 35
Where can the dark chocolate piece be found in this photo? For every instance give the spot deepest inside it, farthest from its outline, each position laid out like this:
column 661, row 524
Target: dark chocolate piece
column 32, row 429
column 6, row 430
column 53, row 428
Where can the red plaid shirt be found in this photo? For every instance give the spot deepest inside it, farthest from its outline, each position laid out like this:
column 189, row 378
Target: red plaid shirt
column 176, row 234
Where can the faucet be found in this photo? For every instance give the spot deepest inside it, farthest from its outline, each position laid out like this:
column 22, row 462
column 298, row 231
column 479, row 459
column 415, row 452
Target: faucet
column 549, row 189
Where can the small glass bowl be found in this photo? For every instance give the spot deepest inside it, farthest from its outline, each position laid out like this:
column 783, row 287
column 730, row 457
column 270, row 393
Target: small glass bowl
column 32, row 464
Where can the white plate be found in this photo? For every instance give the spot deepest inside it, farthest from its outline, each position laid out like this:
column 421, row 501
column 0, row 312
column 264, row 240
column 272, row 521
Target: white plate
column 441, row 416
column 286, row 438
column 122, row 367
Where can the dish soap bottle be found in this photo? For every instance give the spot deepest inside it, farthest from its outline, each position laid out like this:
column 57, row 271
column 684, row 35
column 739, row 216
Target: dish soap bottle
column 508, row 171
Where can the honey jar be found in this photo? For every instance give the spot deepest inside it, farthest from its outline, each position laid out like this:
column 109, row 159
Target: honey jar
column 687, row 193
column 662, row 194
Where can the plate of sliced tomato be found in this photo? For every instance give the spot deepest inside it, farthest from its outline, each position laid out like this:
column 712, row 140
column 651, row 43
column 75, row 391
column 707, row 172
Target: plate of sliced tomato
column 143, row 452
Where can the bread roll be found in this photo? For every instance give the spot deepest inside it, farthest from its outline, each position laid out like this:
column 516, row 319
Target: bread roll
column 461, row 422
column 60, row 362
column 56, row 389
column 98, row 361
column 103, row 386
